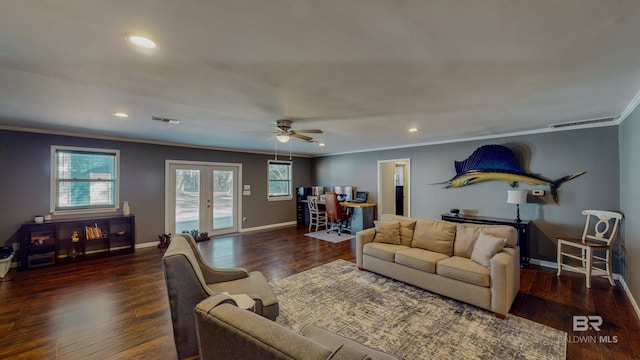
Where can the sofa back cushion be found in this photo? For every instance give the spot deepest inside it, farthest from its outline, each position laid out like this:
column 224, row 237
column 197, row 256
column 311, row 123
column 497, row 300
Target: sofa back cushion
column 467, row 234
column 434, row 235
column 407, row 226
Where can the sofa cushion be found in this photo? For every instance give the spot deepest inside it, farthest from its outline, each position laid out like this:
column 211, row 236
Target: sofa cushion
column 464, row 269
column 392, row 217
column 434, row 235
column 382, row 251
column 387, row 232
column 486, row 246
column 466, row 236
column 407, row 229
column 420, row 259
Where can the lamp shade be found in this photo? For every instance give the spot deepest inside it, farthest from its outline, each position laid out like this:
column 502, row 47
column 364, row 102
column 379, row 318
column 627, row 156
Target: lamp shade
column 517, row 197
column 282, row 137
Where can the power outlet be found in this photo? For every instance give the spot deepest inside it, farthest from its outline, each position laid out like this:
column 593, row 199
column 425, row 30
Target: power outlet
column 16, row 246
column 244, row 219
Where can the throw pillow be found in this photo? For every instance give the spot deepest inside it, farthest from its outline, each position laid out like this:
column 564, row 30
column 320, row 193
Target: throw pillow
column 406, row 231
column 486, row 246
column 387, row 232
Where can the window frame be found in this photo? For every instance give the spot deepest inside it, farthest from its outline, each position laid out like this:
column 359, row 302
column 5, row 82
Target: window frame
column 271, row 197
column 53, row 205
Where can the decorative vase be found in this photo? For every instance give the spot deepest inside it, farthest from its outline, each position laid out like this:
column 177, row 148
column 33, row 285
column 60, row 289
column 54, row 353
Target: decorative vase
column 126, row 210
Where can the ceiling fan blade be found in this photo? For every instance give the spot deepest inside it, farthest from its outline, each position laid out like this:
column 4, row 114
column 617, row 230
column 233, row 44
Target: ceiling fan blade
column 310, row 131
column 302, row 137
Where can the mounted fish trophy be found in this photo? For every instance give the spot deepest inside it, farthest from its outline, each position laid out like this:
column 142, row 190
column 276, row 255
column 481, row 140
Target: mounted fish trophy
column 498, row 162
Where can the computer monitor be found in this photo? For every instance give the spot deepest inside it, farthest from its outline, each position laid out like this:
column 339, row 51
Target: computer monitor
column 361, row 196
column 345, row 193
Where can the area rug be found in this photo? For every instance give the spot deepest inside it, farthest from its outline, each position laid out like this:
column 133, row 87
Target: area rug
column 406, row 321
column 331, row 236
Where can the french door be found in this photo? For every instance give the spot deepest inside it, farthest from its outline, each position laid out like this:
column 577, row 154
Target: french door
column 202, row 197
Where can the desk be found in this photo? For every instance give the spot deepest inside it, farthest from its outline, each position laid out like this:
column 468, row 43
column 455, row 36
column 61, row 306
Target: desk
column 362, row 214
column 522, row 228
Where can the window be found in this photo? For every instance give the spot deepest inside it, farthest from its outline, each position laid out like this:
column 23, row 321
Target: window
column 84, row 179
column 279, row 180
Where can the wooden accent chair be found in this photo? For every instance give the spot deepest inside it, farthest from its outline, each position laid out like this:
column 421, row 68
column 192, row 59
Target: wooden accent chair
column 593, row 250
column 336, row 215
column 317, row 217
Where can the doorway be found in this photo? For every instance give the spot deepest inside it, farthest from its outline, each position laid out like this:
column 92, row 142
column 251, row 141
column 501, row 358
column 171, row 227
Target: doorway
column 203, row 197
column 394, row 187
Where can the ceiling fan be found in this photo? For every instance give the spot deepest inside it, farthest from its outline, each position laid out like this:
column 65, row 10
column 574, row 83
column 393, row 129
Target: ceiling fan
column 284, row 132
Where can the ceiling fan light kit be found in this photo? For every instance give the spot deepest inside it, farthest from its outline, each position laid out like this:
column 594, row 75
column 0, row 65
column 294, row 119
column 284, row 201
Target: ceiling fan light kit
column 284, row 132
column 283, row 137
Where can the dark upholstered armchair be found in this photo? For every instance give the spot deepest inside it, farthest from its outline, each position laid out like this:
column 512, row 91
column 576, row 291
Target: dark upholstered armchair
column 189, row 280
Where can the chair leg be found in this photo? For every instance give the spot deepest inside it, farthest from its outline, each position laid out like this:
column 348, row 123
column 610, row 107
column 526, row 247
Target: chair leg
column 559, row 258
column 588, row 268
column 610, row 275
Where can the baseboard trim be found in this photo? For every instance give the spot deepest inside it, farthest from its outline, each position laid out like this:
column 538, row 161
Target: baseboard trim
column 553, row 265
column 630, row 296
column 147, row 244
column 265, row 227
column 271, row 226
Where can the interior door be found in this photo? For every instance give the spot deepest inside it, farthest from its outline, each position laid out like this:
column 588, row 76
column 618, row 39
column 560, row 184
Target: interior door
column 202, row 197
column 391, row 175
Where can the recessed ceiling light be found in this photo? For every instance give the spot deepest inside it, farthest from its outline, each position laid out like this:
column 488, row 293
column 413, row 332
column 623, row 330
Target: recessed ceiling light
column 321, row 144
column 413, row 130
column 121, row 115
column 141, row 41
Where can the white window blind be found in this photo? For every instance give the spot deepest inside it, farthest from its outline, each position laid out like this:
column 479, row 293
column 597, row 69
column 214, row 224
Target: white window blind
column 84, row 179
column 280, row 180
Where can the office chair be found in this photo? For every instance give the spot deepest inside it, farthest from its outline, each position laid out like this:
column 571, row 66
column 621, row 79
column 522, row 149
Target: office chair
column 336, row 215
column 598, row 236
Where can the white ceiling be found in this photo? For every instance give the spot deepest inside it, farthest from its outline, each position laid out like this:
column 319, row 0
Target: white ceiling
column 362, row 71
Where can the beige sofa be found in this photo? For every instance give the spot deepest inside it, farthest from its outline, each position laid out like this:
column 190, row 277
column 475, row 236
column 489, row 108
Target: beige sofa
column 227, row 332
column 476, row 264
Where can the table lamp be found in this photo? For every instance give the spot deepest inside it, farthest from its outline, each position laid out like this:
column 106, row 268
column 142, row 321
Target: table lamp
column 517, row 197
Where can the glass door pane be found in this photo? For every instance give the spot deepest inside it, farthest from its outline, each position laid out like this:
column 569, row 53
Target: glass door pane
column 223, row 198
column 187, row 200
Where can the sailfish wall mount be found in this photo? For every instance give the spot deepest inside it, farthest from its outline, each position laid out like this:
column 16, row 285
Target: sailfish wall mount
column 498, row 162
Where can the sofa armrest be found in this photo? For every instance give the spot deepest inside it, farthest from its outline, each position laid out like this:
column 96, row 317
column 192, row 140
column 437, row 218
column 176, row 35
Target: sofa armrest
column 214, row 275
column 505, row 279
column 363, row 237
column 212, row 301
column 228, row 332
column 346, row 348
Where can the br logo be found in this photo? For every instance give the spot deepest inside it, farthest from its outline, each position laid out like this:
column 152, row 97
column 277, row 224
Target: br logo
column 583, row 323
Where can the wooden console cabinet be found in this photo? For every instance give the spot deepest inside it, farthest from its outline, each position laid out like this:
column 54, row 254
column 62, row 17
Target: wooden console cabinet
column 64, row 241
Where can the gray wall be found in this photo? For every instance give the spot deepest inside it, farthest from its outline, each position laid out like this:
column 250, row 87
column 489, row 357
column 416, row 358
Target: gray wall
column 630, row 199
column 552, row 155
column 25, row 181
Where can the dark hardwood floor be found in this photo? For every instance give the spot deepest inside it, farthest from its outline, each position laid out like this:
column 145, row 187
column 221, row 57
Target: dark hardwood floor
column 116, row 308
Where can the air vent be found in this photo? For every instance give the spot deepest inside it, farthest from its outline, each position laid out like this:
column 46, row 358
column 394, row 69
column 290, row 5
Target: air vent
column 166, row 120
column 584, row 122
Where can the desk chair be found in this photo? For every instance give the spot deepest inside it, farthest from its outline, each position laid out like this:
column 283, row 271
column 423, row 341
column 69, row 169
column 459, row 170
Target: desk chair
column 336, row 215
column 317, row 217
column 597, row 238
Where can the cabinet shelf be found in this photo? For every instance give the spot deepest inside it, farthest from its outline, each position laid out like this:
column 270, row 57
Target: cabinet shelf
column 65, row 241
